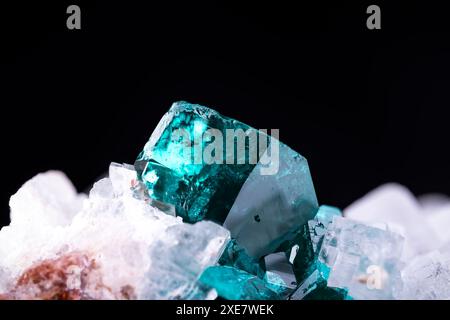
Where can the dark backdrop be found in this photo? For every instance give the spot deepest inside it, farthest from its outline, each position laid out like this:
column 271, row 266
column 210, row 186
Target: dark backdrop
column 365, row 107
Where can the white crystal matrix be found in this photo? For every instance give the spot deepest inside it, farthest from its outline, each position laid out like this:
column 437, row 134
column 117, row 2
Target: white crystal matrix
column 424, row 224
column 109, row 245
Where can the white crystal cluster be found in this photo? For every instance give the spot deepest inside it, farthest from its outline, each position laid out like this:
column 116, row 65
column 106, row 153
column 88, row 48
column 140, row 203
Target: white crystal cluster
column 116, row 244
column 108, row 245
column 424, row 223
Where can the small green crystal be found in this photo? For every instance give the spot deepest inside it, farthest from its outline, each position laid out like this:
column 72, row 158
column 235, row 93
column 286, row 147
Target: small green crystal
column 234, row 284
column 236, row 256
column 303, row 250
column 279, row 271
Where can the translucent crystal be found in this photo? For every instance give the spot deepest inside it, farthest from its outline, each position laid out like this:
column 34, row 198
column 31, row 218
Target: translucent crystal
column 234, row 284
column 346, row 259
column 270, row 208
column 261, row 211
column 180, row 257
column 395, row 206
column 303, row 250
column 280, row 274
column 237, row 257
column 315, row 288
column 112, row 246
column 362, row 259
column 196, row 189
column 278, row 277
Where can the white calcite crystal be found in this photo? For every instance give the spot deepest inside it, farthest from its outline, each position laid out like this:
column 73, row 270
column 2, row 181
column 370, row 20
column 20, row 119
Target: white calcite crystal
column 424, row 222
column 427, row 277
column 46, row 199
column 362, row 259
column 395, row 206
column 110, row 245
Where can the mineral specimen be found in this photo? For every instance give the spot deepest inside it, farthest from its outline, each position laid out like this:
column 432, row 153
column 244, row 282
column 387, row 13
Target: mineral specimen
column 214, row 208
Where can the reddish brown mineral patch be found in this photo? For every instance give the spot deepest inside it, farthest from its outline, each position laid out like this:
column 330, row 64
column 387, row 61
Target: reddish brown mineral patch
column 128, row 293
column 73, row 276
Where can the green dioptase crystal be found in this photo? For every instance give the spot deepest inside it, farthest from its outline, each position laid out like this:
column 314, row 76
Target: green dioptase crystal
column 270, row 208
column 315, row 287
column 236, row 256
column 234, row 284
column 280, row 272
column 261, row 210
column 196, row 189
column 303, row 250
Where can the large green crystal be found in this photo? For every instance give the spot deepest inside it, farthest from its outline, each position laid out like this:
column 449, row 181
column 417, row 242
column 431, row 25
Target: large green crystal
column 261, row 210
column 196, row 189
column 271, row 208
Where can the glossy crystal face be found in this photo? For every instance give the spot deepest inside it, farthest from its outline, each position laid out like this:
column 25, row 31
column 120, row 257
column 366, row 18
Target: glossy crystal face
column 260, row 210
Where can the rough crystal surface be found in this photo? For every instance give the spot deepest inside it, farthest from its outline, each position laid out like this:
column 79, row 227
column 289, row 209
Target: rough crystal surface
column 427, row 277
column 115, row 247
column 396, row 207
column 47, row 199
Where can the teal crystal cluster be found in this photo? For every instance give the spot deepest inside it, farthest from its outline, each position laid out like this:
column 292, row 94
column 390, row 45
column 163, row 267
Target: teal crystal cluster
column 283, row 244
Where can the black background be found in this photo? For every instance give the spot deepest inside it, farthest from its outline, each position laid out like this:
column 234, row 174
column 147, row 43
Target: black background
column 363, row 106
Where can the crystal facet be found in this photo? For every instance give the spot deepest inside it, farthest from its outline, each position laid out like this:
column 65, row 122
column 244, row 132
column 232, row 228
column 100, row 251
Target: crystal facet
column 196, row 189
column 270, row 208
column 261, row 211
column 234, row 284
